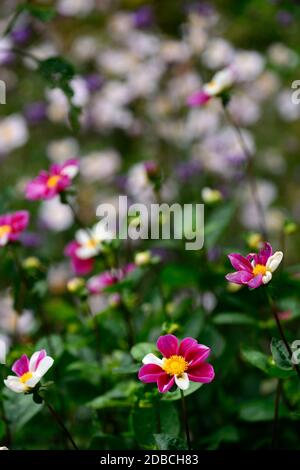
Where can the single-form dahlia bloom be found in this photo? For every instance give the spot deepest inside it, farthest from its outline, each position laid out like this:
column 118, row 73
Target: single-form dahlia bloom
column 220, row 82
column 12, row 226
column 81, row 267
column 254, row 270
column 90, row 242
column 50, row 183
column 97, row 284
column 28, row 372
column 181, row 363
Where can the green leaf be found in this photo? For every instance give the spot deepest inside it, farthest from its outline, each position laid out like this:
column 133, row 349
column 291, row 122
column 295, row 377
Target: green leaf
column 233, row 319
column 19, row 409
column 217, row 223
column 121, row 396
column 58, row 72
column 166, row 442
column 147, row 421
column 173, row 396
column 2, row 429
column 139, row 350
column 53, row 344
column 265, row 363
column 280, row 354
column 259, row 410
column 44, row 13
column 176, row 275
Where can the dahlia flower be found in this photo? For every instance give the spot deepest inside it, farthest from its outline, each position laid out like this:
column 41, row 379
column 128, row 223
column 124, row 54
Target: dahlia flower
column 181, row 364
column 28, row 372
column 255, row 269
column 50, row 183
column 12, row 225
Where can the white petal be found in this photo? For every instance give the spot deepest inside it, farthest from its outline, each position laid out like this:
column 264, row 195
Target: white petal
column 82, row 237
column 274, row 261
column 33, row 361
column 267, row 278
column 13, row 383
column 3, row 239
column 182, row 381
column 84, row 252
column 70, row 171
column 152, row 359
column 44, row 366
column 33, row 381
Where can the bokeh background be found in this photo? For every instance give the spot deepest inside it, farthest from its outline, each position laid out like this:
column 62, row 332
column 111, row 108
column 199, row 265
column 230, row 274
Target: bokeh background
column 134, row 64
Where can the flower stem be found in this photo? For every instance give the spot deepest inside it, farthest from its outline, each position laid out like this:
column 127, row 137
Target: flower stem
column 58, row 419
column 276, row 414
column 281, row 332
column 249, row 172
column 185, row 420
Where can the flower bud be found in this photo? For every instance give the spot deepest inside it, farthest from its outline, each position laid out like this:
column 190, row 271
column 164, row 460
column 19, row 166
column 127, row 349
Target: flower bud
column 142, row 258
column 75, row 285
column 211, row 196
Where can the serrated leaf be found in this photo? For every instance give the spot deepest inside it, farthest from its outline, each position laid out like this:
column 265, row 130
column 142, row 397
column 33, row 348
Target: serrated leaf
column 280, row 354
column 265, row 363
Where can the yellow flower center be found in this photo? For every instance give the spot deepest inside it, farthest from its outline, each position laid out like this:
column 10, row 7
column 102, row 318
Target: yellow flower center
column 175, row 365
column 4, row 230
column 53, row 180
column 259, row 269
column 91, row 243
column 23, row 379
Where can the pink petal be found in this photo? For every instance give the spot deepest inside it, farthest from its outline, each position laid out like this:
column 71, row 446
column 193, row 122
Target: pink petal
column 239, row 262
column 150, row 373
column 203, row 373
column 167, row 345
column 197, row 354
column 165, row 382
column 265, row 253
column 21, row 366
column 255, row 282
column 185, row 344
column 198, row 98
column 241, row 277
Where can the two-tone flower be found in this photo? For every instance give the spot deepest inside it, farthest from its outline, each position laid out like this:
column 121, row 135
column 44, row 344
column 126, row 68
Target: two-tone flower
column 97, row 284
column 255, row 269
column 12, row 225
column 221, row 81
column 28, row 371
column 50, row 183
column 181, row 364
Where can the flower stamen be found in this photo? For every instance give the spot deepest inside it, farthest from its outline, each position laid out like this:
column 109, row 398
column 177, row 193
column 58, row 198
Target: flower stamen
column 259, row 269
column 175, row 365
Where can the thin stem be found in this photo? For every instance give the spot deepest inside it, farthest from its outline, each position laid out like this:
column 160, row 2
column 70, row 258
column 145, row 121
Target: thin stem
column 96, row 330
column 129, row 324
column 281, row 332
column 249, row 172
column 61, row 424
column 276, row 415
column 185, row 420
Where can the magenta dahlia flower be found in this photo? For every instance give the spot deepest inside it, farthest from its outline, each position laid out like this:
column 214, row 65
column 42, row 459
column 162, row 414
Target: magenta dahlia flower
column 221, row 82
column 50, row 183
column 12, row 225
column 28, row 371
column 255, row 269
column 97, row 284
column 181, row 364
column 80, row 266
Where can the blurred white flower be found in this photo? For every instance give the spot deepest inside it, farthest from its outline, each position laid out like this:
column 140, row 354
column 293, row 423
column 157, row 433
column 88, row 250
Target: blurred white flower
column 201, row 122
column 174, row 51
column 5, row 46
column 61, row 150
column 13, row 133
column 85, row 48
column 288, row 110
column 100, row 165
column 116, row 61
column 247, row 65
column 75, row 7
column 218, row 53
column 244, row 110
column 280, row 54
column 55, row 215
column 12, row 322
